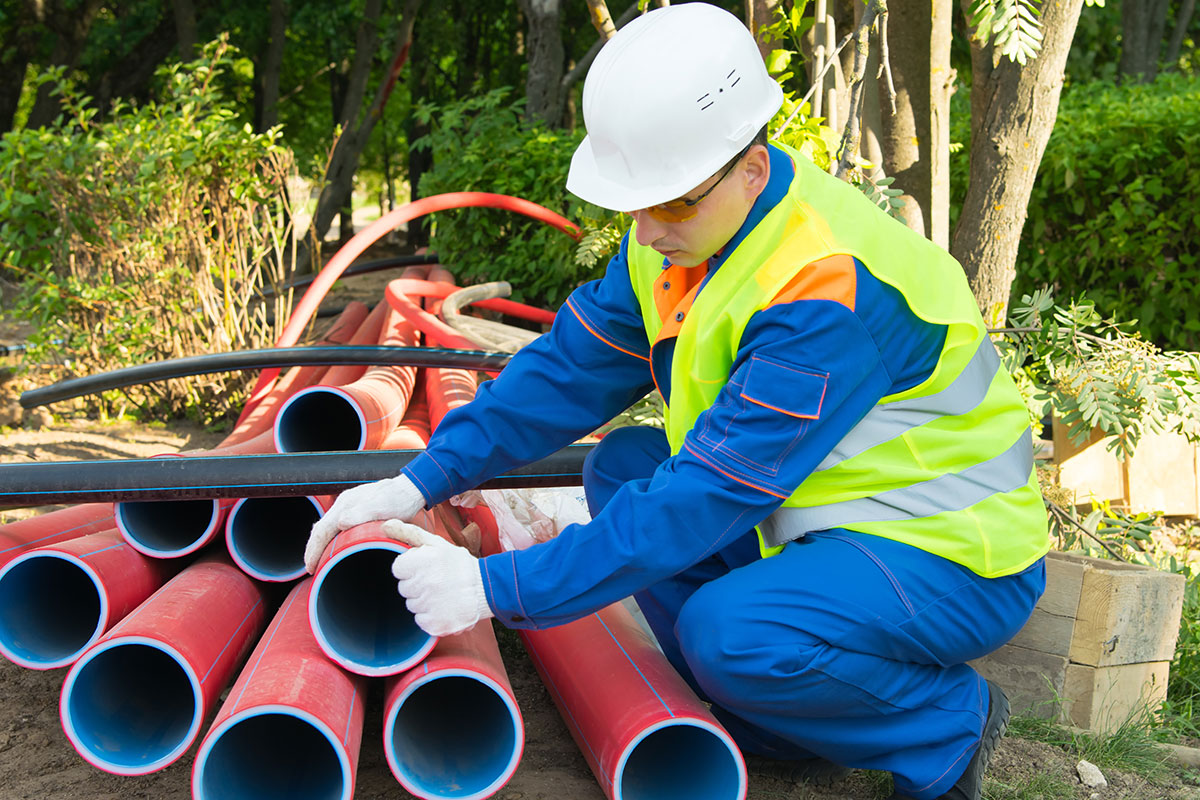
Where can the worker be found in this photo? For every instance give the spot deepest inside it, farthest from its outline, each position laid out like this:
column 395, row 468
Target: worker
column 842, row 508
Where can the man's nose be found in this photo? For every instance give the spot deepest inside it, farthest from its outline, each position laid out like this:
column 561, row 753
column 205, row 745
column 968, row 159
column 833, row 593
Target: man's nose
column 649, row 230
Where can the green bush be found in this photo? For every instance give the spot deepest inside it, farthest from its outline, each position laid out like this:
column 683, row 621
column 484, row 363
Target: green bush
column 1116, row 208
column 481, row 144
column 146, row 236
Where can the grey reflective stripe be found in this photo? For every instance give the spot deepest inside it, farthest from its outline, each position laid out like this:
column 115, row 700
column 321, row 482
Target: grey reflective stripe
column 950, row 492
column 889, row 420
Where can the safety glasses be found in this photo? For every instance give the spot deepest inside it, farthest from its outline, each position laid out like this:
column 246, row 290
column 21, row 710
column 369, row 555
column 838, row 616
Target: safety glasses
column 684, row 209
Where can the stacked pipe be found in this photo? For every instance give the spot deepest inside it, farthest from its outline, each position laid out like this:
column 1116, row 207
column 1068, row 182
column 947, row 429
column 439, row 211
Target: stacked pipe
column 154, row 632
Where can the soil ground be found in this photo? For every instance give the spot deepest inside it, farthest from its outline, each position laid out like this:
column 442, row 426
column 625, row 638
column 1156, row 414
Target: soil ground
column 36, row 760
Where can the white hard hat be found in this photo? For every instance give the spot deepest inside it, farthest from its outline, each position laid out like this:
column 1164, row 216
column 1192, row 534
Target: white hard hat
column 670, row 99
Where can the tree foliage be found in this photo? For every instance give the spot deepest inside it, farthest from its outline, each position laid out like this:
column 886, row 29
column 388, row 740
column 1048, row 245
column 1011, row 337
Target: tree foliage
column 484, row 144
column 146, row 236
column 1116, row 210
column 1095, row 373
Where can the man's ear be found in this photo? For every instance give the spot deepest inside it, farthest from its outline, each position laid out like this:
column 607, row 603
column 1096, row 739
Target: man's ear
column 757, row 170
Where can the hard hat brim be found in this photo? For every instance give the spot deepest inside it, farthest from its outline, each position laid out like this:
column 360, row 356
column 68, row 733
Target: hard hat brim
column 587, row 180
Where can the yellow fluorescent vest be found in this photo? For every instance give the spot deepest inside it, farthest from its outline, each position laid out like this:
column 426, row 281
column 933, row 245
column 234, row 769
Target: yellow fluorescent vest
column 946, row 466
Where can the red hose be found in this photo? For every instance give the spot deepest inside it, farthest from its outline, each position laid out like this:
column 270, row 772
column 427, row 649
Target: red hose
column 308, row 303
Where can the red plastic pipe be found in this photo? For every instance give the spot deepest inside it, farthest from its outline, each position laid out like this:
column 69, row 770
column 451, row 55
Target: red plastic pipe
column 181, row 527
column 643, row 731
column 342, row 331
column 135, row 700
column 357, row 616
column 56, row 526
column 452, row 728
column 265, row 536
column 357, row 416
column 292, row 723
column 307, row 305
column 56, row 601
column 367, row 333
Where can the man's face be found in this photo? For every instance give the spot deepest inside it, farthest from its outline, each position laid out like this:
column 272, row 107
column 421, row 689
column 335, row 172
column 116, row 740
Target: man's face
column 691, row 242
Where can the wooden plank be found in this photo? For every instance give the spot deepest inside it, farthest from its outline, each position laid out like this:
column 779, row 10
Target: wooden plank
column 1103, row 698
column 1088, row 469
column 1033, row 680
column 1162, row 476
column 1128, row 614
column 1051, row 627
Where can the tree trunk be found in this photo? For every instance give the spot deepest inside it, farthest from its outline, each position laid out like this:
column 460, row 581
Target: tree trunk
column 15, row 54
column 70, row 26
column 1013, row 109
column 272, row 65
column 1142, row 26
column 916, row 139
column 581, row 67
column 760, row 14
column 420, row 161
column 185, row 29
column 339, row 176
column 1182, row 20
column 601, row 19
column 543, row 100
column 130, row 78
column 347, row 92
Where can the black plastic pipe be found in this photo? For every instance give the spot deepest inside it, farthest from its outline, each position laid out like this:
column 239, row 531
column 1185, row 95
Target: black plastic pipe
column 372, row 355
column 267, row 475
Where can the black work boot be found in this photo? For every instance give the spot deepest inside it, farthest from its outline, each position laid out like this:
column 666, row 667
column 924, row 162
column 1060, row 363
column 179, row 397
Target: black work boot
column 970, row 785
column 813, row 771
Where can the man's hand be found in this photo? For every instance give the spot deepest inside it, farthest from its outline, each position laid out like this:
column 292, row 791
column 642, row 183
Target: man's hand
column 440, row 580
column 392, row 498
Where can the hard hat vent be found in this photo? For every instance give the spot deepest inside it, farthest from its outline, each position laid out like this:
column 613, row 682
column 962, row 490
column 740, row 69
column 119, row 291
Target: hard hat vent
column 709, row 98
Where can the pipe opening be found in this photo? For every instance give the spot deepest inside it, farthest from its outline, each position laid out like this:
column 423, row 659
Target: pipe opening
column 50, row 610
column 318, row 420
column 132, row 708
column 680, row 762
column 361, row 617
column 272, row 756
column 454, row 736
column 267, row 535
column 167, row 528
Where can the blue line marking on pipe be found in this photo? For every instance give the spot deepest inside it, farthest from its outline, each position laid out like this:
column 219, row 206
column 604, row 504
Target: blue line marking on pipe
column 646, row 680
column 232, row 636
column 291, row 599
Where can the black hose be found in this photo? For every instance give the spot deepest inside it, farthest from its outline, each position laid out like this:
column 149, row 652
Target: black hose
column 260, row 359
column 267, row 475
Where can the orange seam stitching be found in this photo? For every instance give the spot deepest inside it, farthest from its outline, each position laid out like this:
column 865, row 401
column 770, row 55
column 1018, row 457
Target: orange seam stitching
column 579, row 317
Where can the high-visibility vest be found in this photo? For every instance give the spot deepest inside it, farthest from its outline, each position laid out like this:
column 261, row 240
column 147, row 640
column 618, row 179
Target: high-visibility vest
column 945, row 466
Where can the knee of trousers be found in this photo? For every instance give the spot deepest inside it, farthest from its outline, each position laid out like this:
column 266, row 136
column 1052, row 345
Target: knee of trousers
column 729, row 649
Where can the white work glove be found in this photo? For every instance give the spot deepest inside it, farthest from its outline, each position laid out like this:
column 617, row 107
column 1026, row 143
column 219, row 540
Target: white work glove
column 440, row 581
column 391, row 498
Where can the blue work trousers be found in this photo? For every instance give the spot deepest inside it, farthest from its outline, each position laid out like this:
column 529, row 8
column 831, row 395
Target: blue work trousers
column 846, row 646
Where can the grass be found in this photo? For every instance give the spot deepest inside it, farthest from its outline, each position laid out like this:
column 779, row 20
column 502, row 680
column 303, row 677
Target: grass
column 1132, row 747
column 1040, row 786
